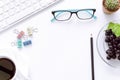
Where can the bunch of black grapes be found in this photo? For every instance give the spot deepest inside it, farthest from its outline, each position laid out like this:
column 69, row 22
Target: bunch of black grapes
column 113, row 42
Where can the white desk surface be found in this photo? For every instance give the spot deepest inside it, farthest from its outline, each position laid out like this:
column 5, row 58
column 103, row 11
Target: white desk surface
column 61, row 50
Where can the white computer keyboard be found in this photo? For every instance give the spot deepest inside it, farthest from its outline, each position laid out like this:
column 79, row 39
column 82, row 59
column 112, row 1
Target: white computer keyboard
column 14, row 11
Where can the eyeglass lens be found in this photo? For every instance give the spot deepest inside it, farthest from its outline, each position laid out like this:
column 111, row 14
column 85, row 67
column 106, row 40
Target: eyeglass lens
column 85, row 14
column 81, row 14
column 62, row 15
column 7, row 69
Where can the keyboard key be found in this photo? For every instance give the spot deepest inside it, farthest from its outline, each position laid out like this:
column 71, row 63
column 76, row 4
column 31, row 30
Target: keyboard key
column 17, row 2
column 36, row 6
column 28, row 3
column 11, row 20
column 22, row 1
column 34, row 1
column 1, row 3
column 44, row 2
column 3, row 24
column 17, row 9
column 1, row 17
column 6, row 8
column 11, row 11
column 1, row 10
column 5, row 15
column 11, row 5
column 23, row 6
column 6, row 1
column 11, row 0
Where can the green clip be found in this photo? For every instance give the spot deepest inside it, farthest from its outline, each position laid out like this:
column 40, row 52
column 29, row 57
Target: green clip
column 19, row 43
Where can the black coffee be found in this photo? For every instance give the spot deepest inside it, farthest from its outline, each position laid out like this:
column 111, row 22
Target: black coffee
column 7, row 69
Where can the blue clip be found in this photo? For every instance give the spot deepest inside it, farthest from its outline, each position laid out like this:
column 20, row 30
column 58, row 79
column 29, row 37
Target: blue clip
column 26, row 43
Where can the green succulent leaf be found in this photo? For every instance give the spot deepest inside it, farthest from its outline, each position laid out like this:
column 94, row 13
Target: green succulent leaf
column 112, row 4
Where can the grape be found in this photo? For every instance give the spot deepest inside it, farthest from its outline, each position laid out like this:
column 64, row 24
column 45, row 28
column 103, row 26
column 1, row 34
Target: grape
column 118, row 52
column 114, row 56
column 110, row 44
column 107, row 39
column 108, row 57
column 119, row 57
column 118, row 45
column 108, row 32
column 113, row 43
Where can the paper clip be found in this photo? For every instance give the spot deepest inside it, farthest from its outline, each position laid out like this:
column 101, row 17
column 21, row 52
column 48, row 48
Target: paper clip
column 13, row 43
column 16, row 31
column 25, row 37
column 35, row 29
column 28, row 42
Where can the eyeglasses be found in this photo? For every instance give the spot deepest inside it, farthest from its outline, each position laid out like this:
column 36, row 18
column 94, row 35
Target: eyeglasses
column 83, row 14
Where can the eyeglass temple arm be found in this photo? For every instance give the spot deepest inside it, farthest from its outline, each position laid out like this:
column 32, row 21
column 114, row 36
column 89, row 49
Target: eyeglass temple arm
column 53, row 19
column 91, row 14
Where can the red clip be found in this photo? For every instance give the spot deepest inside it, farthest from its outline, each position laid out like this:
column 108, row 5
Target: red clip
column 20, row 35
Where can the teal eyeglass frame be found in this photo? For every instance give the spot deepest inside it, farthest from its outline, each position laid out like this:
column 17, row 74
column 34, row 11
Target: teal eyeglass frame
column 73, row 11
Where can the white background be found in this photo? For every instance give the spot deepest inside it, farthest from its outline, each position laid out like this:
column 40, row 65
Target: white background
column 61, row 50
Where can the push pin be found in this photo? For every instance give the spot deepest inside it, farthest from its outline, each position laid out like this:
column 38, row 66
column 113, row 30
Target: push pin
column 26, row 43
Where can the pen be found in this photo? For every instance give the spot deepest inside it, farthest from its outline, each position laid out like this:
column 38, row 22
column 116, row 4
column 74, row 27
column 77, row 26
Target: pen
column 92, row 57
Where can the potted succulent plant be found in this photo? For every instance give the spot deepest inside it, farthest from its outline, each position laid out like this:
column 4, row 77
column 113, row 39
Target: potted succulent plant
column 110, row 6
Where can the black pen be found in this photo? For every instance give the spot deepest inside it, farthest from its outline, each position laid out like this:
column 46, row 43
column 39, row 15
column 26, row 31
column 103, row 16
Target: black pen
column 92, row 57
